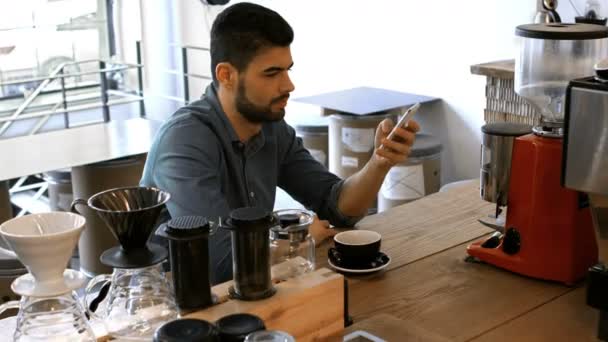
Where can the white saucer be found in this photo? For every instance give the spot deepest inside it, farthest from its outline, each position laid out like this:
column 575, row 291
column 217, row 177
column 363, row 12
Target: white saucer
column 26, row 286
column 367, row 270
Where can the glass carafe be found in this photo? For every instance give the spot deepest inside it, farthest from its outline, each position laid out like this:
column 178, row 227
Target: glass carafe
column 136, row 298
column 292, row 248
column 48, row 310
column 57, row 318
column 138, row 301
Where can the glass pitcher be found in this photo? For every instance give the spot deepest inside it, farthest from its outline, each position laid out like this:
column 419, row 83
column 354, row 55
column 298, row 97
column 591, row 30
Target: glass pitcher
column 57, row 318
column 132, row 303
column 292, row 248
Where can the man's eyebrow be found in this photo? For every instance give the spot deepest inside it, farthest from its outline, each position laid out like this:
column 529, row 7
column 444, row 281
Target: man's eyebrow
column 276, row 68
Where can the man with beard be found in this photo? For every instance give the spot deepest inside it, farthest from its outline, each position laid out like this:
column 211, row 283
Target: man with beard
column 231, row 148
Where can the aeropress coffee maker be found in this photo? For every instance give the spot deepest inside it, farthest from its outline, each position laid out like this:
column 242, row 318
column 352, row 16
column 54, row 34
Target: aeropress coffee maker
column 189, row 258
column 249, row 229
column 136, row 298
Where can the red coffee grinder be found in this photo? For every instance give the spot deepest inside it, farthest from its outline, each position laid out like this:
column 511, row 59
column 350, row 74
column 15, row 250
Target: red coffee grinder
column 548, row 232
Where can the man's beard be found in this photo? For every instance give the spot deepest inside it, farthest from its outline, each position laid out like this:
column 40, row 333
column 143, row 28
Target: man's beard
column 258, row 114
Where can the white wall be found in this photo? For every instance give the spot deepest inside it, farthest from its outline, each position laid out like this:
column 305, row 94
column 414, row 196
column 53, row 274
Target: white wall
column 417, row 46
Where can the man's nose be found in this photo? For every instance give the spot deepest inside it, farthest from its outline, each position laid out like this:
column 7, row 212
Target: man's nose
column 286, row 84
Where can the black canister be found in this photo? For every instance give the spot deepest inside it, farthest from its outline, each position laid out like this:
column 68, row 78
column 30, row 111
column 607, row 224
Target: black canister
column 249, row 228
column 189, row 257
column 187, row 330
column 236, row 327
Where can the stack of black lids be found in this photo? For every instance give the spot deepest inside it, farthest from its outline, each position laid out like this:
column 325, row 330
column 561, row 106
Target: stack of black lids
column 234, row 328
column 187, row 330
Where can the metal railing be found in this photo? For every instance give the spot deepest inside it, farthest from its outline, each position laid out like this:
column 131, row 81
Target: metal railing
column 62, row 107
column 185, row 74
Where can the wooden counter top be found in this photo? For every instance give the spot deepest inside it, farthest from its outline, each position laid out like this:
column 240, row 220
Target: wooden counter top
column 26, row 155
column 430, row 293
column 430, row 286
column 498, row 69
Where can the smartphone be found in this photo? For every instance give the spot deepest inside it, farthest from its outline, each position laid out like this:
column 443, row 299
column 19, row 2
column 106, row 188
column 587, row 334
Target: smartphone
column 407, row 116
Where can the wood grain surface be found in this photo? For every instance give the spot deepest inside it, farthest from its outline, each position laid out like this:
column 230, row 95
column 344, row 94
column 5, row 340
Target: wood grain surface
column 450, row 297
column 498, row 69
column 567, row 318
column 390, row 328
column 426, row 226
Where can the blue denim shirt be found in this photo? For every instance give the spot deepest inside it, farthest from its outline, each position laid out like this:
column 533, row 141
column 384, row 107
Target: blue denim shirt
column 197, row 157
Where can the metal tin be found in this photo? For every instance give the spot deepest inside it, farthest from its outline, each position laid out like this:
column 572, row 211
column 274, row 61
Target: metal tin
column 496, row 154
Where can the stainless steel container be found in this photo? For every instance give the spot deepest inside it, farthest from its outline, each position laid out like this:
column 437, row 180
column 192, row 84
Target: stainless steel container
column 496, row 151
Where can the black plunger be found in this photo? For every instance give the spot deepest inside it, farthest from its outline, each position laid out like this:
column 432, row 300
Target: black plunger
column 189, row 258
column 250, row 228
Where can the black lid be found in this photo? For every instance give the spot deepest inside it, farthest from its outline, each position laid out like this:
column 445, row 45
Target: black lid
column 288, row 219
column 590, row 20
column 187, row 226
column 250, row 218
column 506, row 129
column 234, row 328
column 118, row 257
column 188, row 330
column 562, row 31
column 425, row 145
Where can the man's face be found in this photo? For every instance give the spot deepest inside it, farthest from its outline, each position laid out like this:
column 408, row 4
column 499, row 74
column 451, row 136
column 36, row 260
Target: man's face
column 264, row 86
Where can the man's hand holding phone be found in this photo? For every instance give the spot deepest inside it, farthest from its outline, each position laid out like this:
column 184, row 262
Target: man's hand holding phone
column 394, row 141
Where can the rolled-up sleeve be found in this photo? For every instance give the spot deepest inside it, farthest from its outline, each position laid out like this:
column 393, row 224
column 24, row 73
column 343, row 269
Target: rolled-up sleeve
column 308, row 181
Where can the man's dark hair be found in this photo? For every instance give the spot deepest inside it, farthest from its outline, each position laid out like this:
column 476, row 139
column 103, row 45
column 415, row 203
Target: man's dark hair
column 241, row 30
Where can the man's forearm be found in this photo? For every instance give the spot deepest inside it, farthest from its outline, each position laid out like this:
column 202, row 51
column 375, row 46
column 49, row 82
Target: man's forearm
column 361, row 189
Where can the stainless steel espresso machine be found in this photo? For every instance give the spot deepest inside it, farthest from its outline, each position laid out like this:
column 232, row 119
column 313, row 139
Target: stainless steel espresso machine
column 585, row 168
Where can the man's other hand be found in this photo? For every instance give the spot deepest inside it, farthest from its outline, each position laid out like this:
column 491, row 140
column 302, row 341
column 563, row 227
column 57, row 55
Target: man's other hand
column 320, row 230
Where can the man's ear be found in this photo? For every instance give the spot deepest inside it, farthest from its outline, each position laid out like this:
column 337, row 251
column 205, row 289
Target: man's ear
column 226, row 75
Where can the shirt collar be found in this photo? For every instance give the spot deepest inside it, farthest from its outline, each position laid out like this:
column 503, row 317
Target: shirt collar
column 253, row 145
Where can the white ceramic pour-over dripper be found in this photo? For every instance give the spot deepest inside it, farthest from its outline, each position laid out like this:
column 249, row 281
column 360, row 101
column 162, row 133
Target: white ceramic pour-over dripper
column 44, row 243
